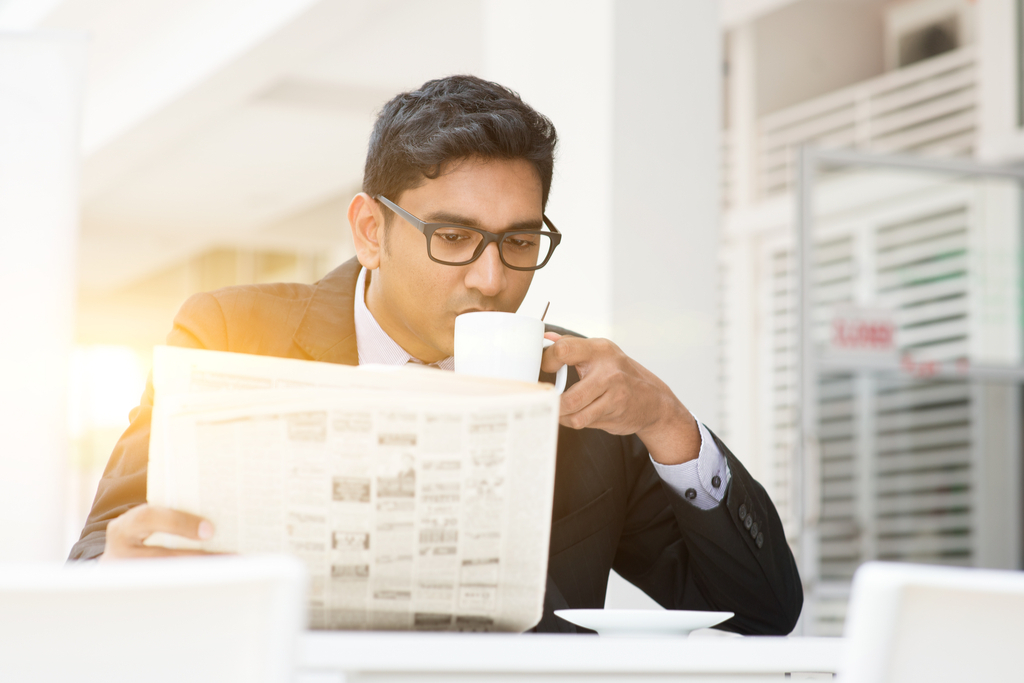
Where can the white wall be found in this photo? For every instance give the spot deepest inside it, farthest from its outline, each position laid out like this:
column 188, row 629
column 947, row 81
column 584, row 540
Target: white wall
column 665, row 178
column 1000, row 139
column 40, row 95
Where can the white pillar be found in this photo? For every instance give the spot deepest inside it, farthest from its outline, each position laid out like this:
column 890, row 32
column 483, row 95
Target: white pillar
column 666, row 182
column 41, row 77
column 634, row 89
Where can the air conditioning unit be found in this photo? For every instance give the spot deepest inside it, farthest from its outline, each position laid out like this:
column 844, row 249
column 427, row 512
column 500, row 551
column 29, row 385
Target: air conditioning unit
column 920, row 29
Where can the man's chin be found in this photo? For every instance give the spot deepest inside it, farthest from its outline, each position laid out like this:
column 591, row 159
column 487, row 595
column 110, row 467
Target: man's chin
column 445, row 342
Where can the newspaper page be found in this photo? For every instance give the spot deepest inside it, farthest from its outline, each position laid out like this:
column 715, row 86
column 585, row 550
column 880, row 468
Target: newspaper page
column 419, row 499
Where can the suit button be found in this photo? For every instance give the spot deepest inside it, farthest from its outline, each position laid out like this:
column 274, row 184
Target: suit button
column 716, row 481
column 748, row 521
column 759, row 540
column 742, row 512
column 753, row 530
column 690, row 494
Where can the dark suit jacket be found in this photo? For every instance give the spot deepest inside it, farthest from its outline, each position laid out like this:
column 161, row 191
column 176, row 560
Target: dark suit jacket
column 611, row 510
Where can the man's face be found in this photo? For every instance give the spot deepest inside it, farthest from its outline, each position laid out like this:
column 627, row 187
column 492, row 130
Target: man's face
column 414, row 299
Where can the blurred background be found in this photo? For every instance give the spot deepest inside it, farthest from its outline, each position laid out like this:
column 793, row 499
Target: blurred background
column 221, row 141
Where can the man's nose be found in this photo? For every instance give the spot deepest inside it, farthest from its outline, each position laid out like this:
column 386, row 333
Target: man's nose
column 487, row 273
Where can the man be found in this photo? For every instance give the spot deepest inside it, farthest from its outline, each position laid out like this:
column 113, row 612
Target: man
column 453, row 171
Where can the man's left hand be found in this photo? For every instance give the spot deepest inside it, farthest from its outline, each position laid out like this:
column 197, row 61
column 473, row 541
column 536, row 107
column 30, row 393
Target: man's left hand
column 620, row 396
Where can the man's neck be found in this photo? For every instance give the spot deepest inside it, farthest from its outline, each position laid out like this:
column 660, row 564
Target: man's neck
column 393, row 328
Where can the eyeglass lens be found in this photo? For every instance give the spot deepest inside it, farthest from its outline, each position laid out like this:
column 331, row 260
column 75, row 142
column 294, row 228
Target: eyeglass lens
column 518, row 249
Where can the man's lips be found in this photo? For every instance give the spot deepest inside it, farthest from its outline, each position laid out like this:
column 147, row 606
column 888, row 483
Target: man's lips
column 476, row 310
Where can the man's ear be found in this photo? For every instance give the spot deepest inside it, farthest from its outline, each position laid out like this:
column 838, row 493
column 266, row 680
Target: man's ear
column 367, row 223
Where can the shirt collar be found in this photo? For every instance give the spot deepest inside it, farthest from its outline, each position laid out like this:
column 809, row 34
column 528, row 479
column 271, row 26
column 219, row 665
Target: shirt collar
column 374, row 344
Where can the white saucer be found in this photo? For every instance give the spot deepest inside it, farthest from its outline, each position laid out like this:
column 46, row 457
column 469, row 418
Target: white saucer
column 642, row 622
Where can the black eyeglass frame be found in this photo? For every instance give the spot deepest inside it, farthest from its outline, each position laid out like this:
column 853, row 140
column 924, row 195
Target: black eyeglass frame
column 497, row 238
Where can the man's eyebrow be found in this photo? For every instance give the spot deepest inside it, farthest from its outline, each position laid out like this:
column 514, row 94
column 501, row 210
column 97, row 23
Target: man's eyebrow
column 446, row 217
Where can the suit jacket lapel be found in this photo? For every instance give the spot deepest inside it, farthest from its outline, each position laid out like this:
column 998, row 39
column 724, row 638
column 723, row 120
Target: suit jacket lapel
column 327, row 331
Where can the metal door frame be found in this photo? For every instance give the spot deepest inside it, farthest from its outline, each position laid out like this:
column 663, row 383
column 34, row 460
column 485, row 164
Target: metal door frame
column 810, row 161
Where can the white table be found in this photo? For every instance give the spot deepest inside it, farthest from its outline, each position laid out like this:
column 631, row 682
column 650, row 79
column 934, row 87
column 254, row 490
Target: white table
column 332, row 657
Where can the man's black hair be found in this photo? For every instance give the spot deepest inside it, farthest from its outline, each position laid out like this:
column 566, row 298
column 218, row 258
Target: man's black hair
column 449, row 119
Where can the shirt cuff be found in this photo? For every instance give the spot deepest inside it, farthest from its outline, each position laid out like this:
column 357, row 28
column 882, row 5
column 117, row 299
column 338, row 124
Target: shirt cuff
column 695, row 480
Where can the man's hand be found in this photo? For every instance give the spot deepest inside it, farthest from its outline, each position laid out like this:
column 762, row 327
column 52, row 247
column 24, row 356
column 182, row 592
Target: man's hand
column 126, row 533
column 620, row 396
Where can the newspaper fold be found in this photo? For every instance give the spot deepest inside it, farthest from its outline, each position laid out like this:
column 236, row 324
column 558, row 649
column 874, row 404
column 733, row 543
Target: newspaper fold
column 419, row 499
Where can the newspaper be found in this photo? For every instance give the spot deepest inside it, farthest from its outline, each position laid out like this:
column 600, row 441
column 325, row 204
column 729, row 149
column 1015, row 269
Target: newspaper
column 419, row 499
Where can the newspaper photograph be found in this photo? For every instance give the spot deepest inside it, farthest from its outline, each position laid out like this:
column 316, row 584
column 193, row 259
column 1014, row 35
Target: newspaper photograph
column 418, row 499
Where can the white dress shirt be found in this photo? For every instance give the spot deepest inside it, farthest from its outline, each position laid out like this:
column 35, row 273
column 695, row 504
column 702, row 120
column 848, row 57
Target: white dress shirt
column 694, row 480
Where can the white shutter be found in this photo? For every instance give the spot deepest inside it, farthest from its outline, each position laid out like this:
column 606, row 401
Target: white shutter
column 922, row 500
column 779, row 353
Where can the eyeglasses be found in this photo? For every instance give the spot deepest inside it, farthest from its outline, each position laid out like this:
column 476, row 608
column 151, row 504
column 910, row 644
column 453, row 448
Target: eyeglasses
column 458, row 245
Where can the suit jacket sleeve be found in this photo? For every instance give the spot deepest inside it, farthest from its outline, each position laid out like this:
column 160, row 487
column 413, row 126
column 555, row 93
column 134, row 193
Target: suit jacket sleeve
column 199, row 324
column 688, row 558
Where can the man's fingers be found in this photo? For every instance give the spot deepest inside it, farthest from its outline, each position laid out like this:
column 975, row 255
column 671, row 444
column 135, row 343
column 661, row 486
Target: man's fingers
column 576, row 351
column 176, row 522
column 126, row 534
column 145, row 520
column 567, row 350
column 590, row 416
column 579, row 396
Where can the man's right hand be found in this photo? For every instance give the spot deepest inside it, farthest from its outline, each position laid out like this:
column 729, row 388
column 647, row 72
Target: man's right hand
column 125, row 535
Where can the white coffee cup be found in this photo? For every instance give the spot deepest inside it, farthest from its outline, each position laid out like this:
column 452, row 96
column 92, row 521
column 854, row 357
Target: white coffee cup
column 503, row 345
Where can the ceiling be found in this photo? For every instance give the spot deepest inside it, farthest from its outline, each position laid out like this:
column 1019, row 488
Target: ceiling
column 218, row 122
column 212, row 123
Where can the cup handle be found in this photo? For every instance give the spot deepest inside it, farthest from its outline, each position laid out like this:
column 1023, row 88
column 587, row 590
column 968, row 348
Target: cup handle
column 561, row 375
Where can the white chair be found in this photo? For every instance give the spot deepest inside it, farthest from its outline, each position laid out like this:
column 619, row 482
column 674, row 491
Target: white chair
column 910, row 623
column 211, row 619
